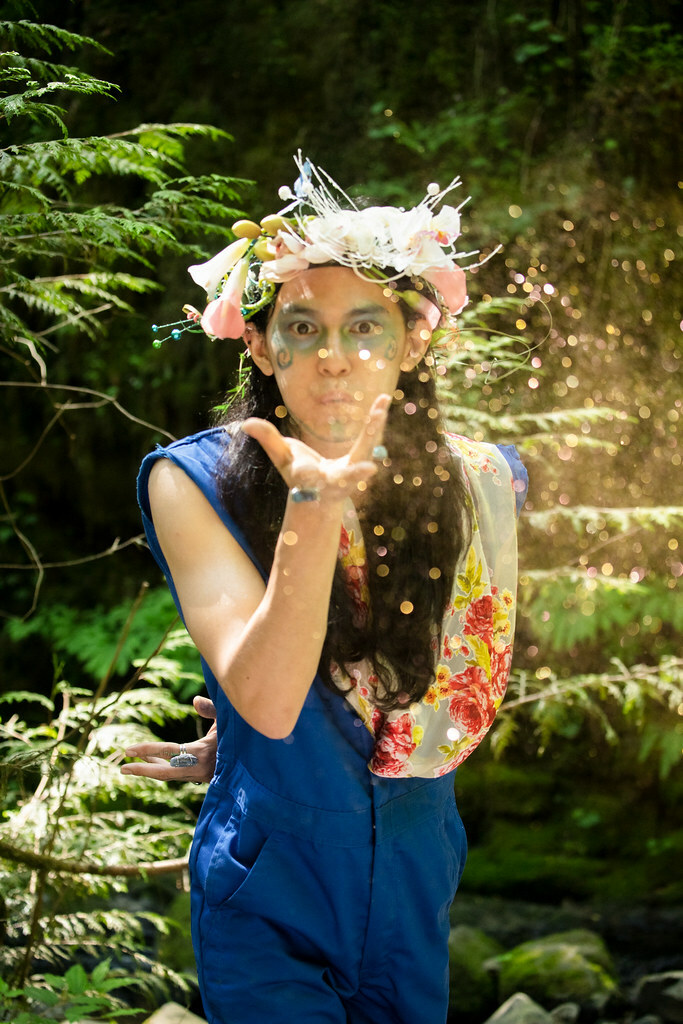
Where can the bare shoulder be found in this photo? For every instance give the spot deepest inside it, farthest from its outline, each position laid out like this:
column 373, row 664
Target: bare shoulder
column 186, row 524
column 169, row 483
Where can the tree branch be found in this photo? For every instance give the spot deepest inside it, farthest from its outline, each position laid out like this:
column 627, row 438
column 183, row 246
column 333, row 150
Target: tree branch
column 41, row 861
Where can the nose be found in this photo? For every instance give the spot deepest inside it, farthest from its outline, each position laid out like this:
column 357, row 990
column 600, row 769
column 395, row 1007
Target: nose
column 333, row 359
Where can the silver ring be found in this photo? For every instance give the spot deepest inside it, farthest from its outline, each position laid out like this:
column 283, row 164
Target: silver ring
column 183, row 759
column 305, row 494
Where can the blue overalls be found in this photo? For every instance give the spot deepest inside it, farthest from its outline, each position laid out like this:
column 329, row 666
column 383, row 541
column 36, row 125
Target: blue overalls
column 320, row 892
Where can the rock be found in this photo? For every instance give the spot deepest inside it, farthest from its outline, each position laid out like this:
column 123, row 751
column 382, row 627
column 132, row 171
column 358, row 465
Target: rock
column 473, row 988
column 172, row 1013
column 661, row 994
column 566, row 1013
column 520, row 1009
column 569, row 966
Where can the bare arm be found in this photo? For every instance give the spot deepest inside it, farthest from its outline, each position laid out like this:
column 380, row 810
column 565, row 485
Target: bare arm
column 262, row 642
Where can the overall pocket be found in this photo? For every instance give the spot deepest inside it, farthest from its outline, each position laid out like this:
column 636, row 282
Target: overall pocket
column 234, row 856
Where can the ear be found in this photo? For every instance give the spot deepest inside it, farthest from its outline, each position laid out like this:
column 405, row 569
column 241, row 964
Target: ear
column 418, row 340
column 255, row 341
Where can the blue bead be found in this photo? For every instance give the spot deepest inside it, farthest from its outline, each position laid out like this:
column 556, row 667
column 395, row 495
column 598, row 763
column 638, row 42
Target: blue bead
column 176, row 334
column 155, row 327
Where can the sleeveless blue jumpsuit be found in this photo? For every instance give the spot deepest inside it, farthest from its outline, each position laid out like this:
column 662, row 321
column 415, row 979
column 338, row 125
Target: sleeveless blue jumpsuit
column 320, row 892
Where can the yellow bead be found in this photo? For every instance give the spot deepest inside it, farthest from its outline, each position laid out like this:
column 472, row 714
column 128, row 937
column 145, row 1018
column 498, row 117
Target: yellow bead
column 246, row 229
column 274, row 223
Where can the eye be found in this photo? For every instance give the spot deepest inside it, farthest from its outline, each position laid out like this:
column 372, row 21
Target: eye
column 367, row 327
column 301, row 328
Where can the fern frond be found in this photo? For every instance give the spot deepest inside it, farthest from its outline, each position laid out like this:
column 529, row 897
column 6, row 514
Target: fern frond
column 662, row 683
column 566, row 607
column 47, row 38
column 579, row 516
column 548, row 425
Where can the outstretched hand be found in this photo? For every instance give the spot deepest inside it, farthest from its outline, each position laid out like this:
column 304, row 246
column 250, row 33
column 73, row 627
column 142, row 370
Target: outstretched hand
column 156, row 756
column 303, row 467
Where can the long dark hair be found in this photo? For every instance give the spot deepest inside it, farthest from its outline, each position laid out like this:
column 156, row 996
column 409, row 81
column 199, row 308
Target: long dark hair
column 416, row 524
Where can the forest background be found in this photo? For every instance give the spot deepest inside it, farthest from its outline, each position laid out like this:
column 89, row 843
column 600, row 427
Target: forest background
column 563, row 119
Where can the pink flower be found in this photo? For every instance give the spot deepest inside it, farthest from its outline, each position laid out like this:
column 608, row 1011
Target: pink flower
column 471, row 705
column 377, row 720
column 479, row 619
column 283, row 269
column 223, row 317
column 394, row 746
column 451, row 286
column 450, row 766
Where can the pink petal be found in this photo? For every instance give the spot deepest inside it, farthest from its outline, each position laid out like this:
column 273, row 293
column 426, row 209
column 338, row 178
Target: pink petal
column 450, row 284
column 223, row 317
column 223, row 320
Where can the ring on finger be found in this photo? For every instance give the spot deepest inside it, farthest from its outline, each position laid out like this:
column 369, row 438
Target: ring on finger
column 182, row 759
column 300, row 494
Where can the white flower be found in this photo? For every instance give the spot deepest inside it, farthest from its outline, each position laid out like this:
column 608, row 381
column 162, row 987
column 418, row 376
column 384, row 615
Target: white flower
column 447, row 221
column 284, row 268
column 210, row 274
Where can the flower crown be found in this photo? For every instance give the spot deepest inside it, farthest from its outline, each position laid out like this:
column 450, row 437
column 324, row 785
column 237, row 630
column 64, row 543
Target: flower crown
column 382, row 244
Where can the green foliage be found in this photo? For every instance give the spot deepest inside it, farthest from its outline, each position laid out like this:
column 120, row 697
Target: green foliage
column 483, row 134
column 72, row 995
column 61, row 244
column 73, row 834
column 568, row 607
column 545, row 707
column 94, row 638
column 36, row 78
column 85, row 225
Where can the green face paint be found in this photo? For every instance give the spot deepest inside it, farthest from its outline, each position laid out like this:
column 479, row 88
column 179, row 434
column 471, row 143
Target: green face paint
column 299, row 330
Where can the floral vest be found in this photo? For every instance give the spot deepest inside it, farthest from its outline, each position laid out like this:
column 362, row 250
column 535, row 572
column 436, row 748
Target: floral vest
column 431, row 737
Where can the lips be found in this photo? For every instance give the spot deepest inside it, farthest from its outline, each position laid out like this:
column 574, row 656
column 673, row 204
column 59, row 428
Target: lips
column 336, row 397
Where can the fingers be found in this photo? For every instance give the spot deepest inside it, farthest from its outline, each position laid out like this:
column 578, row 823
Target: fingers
column 162, row 771
column 270, row 439
column 155, row 750
column 204, row 707
column 156, row 757
column 372, row 431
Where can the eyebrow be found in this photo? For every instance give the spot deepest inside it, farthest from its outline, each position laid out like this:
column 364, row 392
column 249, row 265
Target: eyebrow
column 371, row 309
